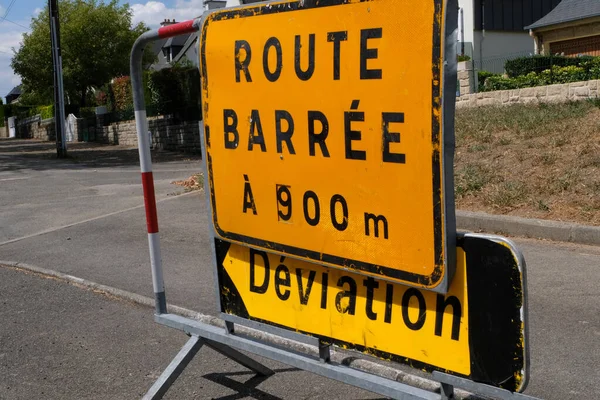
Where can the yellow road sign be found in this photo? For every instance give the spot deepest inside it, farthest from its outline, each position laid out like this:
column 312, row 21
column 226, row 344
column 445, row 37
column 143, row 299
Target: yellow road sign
column 476, row 330
column 323, row 133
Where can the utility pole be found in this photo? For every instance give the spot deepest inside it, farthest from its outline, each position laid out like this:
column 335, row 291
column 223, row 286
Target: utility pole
column 59, row 97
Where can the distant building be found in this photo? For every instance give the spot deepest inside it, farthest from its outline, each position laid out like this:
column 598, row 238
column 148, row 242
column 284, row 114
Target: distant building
column 13, row 95
column 186, row 46
column 493, row 31
column 166, row 50
column 572, row 29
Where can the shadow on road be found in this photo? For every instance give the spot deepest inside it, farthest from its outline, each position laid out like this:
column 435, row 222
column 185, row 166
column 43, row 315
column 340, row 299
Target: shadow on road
column 249, row 387
column 18, row 154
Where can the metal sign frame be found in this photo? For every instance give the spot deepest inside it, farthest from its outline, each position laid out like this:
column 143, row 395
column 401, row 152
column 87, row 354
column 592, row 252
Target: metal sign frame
column 227, row 341
column 443, row 100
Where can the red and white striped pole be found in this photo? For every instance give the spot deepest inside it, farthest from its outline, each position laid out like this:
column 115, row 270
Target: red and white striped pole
column 141, row 124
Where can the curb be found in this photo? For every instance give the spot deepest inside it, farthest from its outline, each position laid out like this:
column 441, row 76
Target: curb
column 528, row 227
column 337, row 355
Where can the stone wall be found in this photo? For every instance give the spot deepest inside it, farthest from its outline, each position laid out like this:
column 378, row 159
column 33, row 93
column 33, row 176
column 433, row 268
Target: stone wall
column 36, row 128
column 540, row 94
column 166, row 134
column 466, row 78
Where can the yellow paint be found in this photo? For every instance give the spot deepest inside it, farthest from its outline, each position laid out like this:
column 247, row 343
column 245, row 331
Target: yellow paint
column 403, row 193
column 394, row 338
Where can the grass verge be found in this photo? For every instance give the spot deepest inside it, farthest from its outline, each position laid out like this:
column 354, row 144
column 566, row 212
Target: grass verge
column 534, row 161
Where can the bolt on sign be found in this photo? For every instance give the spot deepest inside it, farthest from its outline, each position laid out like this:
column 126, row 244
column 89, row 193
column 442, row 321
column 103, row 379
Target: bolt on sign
column 476, row 330
column 327, row 137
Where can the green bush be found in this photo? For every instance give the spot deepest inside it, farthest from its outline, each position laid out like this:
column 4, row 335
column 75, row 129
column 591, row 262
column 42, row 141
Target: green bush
column 462, row 57
column 176, row 91
column 566, row 74
column 482, row 76
column 45, row 111
column 1, row 114
column 87, row 112
column 122, row 97
column 524, row 65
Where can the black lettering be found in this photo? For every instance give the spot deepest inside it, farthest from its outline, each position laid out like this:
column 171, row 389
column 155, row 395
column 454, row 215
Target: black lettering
column 338, row 198
column 351, row 135
column 317, row 138
column 265, row 285
column 230, row 122
column 376, row 220
column 391, row 137
column 248, row 197
column 242, row 65
column 440, row 308
column 307, row 196
column 272, row 76
column 389, row 299
column 371, row 284
column 307, row 74
column 324, row 281
column 367, row 53
column 350, row 294
column 258, row 138
column 282, row 282
column 311, row 278
column 284, row 136
column 336, row 38
column 412, row 292
column 284, row 202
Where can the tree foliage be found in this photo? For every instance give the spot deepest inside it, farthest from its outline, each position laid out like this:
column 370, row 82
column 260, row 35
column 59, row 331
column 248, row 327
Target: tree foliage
column 96, row 40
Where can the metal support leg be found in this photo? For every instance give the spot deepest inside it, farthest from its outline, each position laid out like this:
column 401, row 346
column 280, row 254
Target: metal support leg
column 240, row 358
column 324, row 351
column 478, row 388
column 169, row 375
column 447, row 391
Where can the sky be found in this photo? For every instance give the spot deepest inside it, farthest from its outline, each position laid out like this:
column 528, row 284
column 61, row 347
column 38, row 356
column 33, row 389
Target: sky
column 16, row 15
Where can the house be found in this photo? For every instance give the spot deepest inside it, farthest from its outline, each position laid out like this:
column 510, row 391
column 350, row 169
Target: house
column 189, row 50
column 571, row 29
column 492, row 31
column 167, row 50
column 13, row 95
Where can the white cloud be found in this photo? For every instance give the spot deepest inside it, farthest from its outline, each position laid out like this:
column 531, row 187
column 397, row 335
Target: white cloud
column 9, row 39
column 153, row 13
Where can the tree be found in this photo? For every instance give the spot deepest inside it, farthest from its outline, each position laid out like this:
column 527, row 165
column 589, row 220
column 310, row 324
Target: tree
column 96, row 40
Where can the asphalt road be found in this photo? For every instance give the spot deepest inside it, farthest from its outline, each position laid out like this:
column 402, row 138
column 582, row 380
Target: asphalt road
column 61, row 341
column 87, row 219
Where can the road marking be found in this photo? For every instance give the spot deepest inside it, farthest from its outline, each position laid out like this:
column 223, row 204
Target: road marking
column 88, row 220
column 14, row 179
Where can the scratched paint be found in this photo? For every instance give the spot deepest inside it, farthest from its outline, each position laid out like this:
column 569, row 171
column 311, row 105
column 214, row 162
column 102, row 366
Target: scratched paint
column 477, row 330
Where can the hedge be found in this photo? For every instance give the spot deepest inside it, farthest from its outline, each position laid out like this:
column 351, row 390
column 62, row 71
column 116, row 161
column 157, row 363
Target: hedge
column 176, row 91
column 1, row 115
column 547, row 77
column 171, row 91
column 524, row 65
column 45, row 111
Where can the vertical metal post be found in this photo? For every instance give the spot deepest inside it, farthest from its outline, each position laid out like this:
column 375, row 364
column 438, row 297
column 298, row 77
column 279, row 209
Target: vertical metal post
column 141, row 125
column 551, row 69
column 462, row 32
column 447, row 391
column 59, row 98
